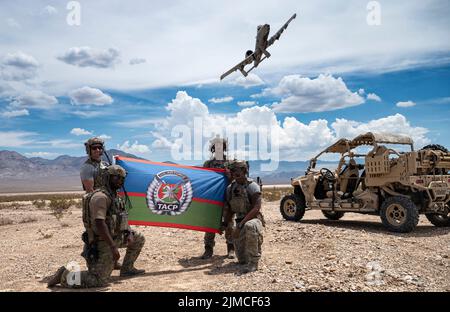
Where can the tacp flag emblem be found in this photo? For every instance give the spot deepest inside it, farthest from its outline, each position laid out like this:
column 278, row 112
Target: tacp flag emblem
column 169, row 193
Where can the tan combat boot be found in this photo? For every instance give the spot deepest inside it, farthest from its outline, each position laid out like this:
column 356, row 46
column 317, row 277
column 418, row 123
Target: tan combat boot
column 250, row 267
column 56, row 278
column 208, row 252
column 131, row 272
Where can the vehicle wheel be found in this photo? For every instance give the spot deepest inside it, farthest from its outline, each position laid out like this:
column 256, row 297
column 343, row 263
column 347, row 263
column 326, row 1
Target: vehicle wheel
column 438, row 219
column 399, row 214
column 292, row 207
column 333, row 215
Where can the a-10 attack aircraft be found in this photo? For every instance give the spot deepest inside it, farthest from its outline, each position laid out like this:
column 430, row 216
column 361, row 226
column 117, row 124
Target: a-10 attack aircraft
column 261, row 46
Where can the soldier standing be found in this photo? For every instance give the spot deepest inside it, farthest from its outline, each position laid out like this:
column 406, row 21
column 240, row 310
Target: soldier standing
column 106, row 222
column 243, row 198
column 90, row 173
column 218, row 147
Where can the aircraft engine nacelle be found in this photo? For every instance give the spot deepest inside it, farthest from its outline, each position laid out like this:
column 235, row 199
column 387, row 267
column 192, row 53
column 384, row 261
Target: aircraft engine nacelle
column 248, row 53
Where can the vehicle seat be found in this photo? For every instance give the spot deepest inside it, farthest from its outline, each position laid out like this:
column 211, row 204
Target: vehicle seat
column 349, row 178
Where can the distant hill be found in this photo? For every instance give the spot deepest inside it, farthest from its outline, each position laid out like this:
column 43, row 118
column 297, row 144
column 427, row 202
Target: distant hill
column 19, row 173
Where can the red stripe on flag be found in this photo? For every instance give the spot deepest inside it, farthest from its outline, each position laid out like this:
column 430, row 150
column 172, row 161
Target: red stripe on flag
column 208, row 201
column 166, row 164
column 199, row 200
column 174, row 225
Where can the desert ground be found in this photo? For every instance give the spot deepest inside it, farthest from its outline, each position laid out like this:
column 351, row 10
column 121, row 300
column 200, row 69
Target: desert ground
column 355, row 253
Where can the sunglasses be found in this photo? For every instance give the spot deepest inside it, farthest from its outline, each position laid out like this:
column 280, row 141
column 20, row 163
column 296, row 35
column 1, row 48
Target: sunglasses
column 97, row 148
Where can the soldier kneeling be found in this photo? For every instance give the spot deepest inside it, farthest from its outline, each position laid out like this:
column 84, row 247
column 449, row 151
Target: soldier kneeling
column 106, row 222
column 244, row 199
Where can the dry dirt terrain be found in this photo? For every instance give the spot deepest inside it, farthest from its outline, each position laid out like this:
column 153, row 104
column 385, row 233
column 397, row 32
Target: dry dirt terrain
column 353, row 254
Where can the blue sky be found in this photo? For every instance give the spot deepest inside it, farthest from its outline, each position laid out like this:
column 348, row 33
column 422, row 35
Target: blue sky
column 131, row 72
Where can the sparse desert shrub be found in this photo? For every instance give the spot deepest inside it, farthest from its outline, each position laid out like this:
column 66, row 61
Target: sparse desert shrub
column 28, row 220
column 59, row 207
column 45, row 235
column 39, row 203
column 75, row 203
column 32, row 197
column 11, row 205
column 5, row 221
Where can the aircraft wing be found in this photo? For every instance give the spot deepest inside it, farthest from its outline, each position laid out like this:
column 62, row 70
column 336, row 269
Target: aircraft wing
column 278, row 33
column 240, row 66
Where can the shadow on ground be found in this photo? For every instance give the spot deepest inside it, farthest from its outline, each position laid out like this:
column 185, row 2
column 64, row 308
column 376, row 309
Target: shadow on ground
column 378, row 227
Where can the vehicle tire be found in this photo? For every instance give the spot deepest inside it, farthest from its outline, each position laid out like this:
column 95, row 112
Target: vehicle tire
column 292, row 207
column 438, row 219
column 435, row 147
column 399, row 214
column 333, row 215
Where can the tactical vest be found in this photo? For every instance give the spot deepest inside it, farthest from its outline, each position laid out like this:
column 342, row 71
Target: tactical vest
column 100, row 173
column 116, row 215
column 239, row 198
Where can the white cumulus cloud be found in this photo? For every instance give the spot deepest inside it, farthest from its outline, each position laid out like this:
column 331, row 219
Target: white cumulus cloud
column 161, row 143
column 15, row 113
column 80, row 131
column 246, row 103
column 225, row 99
column 252, row 80
column 373, row 97
column 89, row 57
column 406, row 104
column 89, row 96
column 18, row 66
column 104, row 137
column 134, row 148
column 34, row 99
column 16, row 138
column 87, row 114
column 302, row 94
column 297, row 140
column 397, row 124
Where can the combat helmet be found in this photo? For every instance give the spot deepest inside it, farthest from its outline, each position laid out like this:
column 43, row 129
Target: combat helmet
column 116, row 170
column 238, row 164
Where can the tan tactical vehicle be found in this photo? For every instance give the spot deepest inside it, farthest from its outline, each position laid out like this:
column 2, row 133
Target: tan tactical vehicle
column 397, row 186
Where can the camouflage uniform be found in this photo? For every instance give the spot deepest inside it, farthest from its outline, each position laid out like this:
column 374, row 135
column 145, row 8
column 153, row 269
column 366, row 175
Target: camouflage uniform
column 99, row 270
column 210, row 237
column 249, row 238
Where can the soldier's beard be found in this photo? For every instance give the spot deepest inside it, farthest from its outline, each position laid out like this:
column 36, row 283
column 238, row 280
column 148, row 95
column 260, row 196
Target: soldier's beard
column 95, row 156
